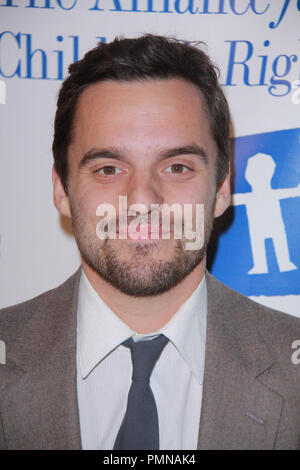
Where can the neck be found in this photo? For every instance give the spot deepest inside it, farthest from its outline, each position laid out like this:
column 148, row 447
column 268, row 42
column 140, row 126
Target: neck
column 145, row 314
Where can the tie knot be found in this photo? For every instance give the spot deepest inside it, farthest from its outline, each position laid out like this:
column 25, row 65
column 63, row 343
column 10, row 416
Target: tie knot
column 144, row 355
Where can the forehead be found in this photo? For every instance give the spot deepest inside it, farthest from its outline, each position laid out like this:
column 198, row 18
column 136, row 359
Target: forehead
column 137, row 112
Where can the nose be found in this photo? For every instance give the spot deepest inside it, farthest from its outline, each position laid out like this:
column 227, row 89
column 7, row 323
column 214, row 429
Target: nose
column 144, row 189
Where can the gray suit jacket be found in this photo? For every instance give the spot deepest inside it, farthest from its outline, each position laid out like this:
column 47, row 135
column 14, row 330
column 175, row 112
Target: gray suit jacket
column 251, row 394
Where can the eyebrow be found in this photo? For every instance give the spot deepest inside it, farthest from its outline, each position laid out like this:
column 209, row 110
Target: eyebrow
column 117, row 154
column 97, row 154
column 192, row 149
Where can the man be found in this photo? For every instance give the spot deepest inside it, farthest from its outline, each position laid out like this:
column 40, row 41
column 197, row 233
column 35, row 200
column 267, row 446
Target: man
column 145, row 119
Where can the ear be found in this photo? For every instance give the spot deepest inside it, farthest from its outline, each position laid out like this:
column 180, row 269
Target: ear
column 223, row 197
column 60, row 198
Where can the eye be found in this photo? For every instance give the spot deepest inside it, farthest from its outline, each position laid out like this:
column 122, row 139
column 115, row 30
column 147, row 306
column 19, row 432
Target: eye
column 108, row 170
column 177, row 168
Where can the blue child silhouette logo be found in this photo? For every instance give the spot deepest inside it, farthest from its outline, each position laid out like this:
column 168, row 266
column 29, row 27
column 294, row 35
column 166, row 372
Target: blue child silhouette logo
column 259, row 254
column 264, row 213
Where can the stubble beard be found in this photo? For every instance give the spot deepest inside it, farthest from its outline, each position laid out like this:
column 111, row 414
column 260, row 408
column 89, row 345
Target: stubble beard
column 142, row 275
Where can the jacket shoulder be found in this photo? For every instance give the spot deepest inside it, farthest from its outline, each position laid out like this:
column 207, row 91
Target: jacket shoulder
column 53, row 301
column 225, row 298
column 257, row 335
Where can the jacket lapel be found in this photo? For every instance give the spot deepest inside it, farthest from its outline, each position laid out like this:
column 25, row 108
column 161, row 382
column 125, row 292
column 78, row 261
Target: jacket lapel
column 239, row 410
column 42, row 368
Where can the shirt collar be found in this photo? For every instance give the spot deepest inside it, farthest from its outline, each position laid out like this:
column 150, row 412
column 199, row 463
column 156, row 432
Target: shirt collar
column 100, row 330
column 187, row 330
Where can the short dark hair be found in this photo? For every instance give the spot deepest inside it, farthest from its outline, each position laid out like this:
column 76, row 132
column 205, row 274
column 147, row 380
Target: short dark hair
column 147, row 57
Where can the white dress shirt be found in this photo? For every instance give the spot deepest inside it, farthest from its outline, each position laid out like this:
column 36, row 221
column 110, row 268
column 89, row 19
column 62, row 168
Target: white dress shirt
column 104, row 370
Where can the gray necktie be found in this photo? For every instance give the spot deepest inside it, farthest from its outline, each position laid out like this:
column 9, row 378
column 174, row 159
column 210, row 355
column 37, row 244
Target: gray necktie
column 139, row 429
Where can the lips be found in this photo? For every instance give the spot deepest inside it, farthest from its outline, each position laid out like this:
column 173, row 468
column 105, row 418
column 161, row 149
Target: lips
column 143, row 232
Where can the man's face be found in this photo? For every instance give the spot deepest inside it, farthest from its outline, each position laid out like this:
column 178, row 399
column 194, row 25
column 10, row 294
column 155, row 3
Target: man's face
column 151, row 142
